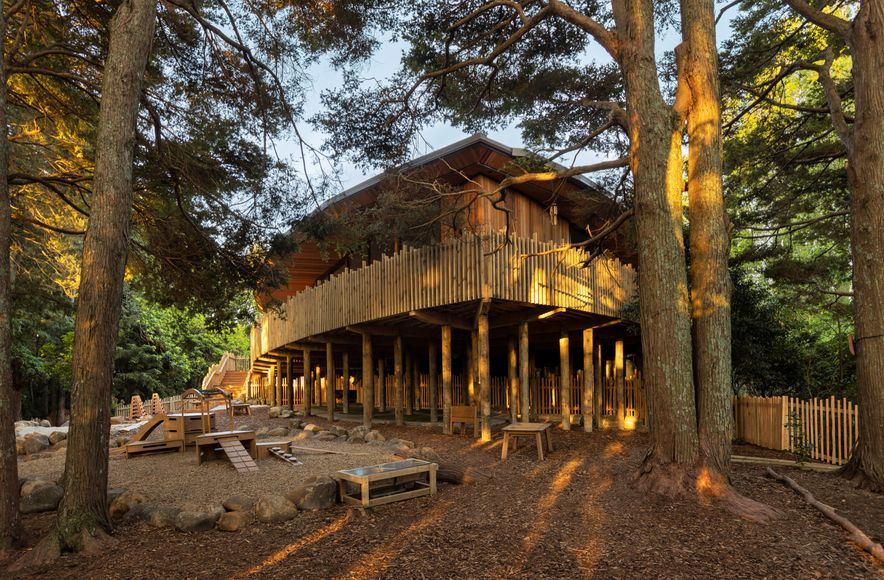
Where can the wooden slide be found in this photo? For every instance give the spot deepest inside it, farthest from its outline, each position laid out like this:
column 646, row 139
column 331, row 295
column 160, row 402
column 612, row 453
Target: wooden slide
column 138, row 445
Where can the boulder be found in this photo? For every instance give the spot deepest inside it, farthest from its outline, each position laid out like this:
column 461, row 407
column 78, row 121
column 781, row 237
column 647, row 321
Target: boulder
column 262, row 433
column 20, row 447
column 429, row 454
column 57, row 436
column 36, row 442
column 278, row 432
column 404, row 442
column 285, row 414
column 338, row 431
column 274, row 509
column 125, row 502
column 356, row 439
column 113, row 493
column 233, row 521
column 60, row 446
column 44, row 499
column 312, row 428
column 194, row 522
column 302, row 435
column 295, row 424
column 45, row 423
column 29, row 486
column 316, row 493
column 161, row 516
column 274, row 412
column 238, row 503
column 113, row 443
column 326, row 436
column 117, row 420
column 374, row 436
column 358, row 432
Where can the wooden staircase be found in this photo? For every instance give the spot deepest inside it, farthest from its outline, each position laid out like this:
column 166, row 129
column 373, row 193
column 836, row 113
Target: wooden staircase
column 234, row 382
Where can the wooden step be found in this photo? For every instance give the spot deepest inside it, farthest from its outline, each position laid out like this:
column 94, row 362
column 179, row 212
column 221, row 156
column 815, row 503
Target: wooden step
column 146, row 447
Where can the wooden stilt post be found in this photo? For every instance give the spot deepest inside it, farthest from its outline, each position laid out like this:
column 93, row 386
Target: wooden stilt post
column 367, row 381
column 415, row 383
column 409, row 384
column 524, row 386
column 398, row 395
column 446, row 380
column 471, row 371
column 330, row 382
column 513, row 378
column 432, row 380
column 599, row 386
column 317, row 385
column 290, row 380
column 308, row 383
column 484, row 368
column 619, row 381
column 382, row 387
column 345, row 371
column 277, row 385
column 586, row 402
column 565, row 380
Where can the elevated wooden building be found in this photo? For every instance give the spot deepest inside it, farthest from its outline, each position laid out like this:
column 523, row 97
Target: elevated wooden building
column 512, row 322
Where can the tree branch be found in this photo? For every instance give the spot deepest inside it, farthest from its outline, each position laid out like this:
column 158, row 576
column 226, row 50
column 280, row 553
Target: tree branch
column 822, row 19
column 602, row 35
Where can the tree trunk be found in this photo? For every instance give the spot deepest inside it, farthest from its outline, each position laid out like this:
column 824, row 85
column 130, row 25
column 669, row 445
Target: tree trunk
column 655, row 160
column 82, row 514
column 710, row 280
column 865, row 171
column 367, row 381
column 10, row 517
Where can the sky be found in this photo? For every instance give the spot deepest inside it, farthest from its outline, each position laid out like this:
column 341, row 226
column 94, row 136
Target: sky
column 386, row 61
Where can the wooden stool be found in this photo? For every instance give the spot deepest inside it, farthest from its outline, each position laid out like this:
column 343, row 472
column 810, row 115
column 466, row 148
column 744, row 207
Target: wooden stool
column 538, row 431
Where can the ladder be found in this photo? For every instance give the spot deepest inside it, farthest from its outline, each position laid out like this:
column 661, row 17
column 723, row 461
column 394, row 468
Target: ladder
column 238, row 455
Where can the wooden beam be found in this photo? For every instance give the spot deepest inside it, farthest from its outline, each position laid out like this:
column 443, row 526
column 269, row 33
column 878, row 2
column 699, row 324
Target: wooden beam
column 446, row 380
column 308, row 384
column 391, row 331
column 565, row 380
column 432, row 379
column 330, row 382
column 512, row 377
column 620, row 381
column 382, row 386
column 345, row 371
column 398, row 401
column 440, row 319
column 524, row 387
column 409, row 384
column 290, row 381
column 367, row 381
column 588, row 380
column 524, row 315
column 484, row 368
column 598, row 385
column 482, row 310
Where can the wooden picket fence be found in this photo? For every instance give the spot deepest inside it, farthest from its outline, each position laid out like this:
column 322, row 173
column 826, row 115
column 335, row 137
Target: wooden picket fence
column 826, row 429
column 170, row 405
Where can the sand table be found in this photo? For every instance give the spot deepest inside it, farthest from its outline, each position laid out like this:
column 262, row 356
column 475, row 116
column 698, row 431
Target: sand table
column 175, row 479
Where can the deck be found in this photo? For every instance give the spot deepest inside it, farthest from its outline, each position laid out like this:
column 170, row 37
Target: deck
column 460, row 270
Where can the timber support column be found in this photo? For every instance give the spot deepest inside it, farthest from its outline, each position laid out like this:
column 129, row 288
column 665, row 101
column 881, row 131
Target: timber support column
column 367, row 381
column 446, row 380
column 345, row 372
column 432, row 380
column 330, row 382
column 308, row 384
column 586, row 402
column 290, row 380
column 409, row 384
column 620, row 382
column 277, row 385
column 565, row 380
column 472, row 394
column 398, row 401
column 599, row 385
column 524, row 385
column 512, row 378
column 484, row 368
column 382, row 386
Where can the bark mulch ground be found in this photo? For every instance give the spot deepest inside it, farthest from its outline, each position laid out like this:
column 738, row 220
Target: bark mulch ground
column 575, row 514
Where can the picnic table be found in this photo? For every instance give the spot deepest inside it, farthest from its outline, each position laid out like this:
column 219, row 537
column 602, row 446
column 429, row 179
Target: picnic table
column 539, row 431
column 385, row 482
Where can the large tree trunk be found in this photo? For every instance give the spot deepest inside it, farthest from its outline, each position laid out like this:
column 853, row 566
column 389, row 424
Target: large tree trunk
column 710, row 281
column 10, row 518
column 82, row 514
column 656, row 163
column 865, row 170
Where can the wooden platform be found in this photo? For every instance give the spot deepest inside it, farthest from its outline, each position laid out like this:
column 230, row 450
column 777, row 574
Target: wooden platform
column 186, row 426
column 209, row 446
column 147, row 447
column 238, row 455
column 380, row 484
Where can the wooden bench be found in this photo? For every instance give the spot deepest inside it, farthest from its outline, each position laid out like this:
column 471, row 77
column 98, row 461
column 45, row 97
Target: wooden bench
column 463, row 414
column 539, row 431
column 241, row 408
column 385, row 483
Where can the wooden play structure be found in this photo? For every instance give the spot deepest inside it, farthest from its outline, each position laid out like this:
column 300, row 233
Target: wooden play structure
column 464, row 415
column 540, row 432
column 136, row 408
column 238, row 446
column 387, row 482
column 204, row 400
column 156, row 405
column 139, row 445
column 485, row 311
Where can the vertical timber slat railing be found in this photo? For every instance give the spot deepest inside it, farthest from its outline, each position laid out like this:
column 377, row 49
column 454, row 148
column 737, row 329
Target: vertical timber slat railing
column 448, row 273
column 825, row 429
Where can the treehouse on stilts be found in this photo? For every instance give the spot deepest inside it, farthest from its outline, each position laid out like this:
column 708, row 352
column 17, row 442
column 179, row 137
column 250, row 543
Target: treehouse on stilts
column 497, row 309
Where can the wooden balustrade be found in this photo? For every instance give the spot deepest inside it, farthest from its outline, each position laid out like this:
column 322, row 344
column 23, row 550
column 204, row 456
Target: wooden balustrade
column 459, row 270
